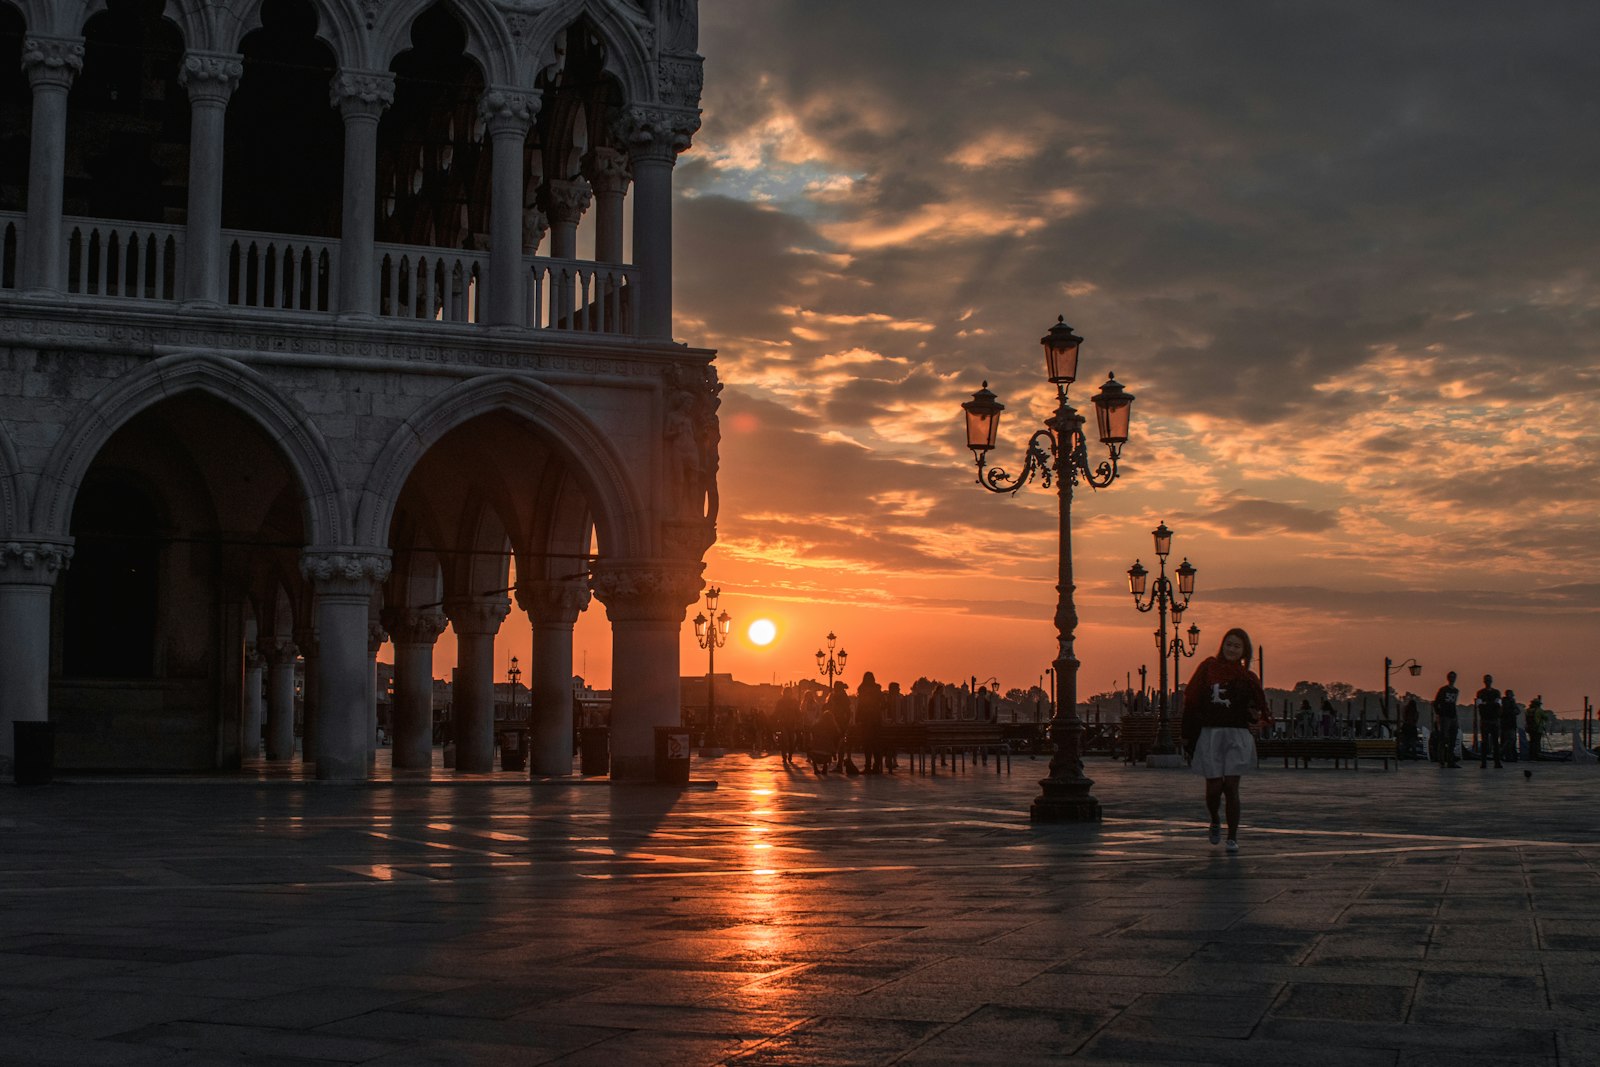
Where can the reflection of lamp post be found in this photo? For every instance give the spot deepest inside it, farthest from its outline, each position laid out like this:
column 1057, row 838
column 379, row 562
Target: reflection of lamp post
column 1164, row 598
column 831, row 663
column 712, row 634
column 1389, row 667
column 1059, row 452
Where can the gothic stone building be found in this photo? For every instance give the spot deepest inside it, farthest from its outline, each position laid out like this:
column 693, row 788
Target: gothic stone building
column 317, row 318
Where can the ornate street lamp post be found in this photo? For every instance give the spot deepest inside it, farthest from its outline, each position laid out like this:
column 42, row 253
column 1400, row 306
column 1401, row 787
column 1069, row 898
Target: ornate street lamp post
column 1164, row 597
column 1059, row 453
column 1179, row 650
column 1389, row 667
column 712, row 633
column 513, row 676
column 831, row 663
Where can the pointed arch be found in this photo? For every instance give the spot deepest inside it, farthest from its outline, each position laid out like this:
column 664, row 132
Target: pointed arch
column 628, row 53
column 304, row 450
column 489, row 40
column 619, row 512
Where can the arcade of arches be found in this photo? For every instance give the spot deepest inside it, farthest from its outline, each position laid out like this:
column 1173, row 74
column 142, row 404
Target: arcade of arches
column 326, row 323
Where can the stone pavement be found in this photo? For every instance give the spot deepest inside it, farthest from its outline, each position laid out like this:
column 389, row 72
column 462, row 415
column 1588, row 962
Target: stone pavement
column 1371, row 917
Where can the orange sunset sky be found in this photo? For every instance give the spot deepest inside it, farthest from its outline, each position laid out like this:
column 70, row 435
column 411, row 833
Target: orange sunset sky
column 1342, row 254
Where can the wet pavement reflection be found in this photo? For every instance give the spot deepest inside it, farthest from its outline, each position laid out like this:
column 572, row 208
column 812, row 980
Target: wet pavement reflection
column 781, row 918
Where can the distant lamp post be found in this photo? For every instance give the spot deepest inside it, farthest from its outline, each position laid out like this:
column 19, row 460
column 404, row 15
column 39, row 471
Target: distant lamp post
column 1389, row 667
column 1059, row 453
column 513, row 676
column 830, row 663
column 1165, row 596
column 712, row 633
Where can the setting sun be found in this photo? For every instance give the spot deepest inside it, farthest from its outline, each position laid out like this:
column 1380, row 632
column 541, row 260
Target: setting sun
column 762, row 631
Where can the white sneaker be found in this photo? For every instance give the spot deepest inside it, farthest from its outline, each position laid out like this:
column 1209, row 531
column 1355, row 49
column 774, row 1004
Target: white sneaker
column 1232, row 846
column 1216, row 833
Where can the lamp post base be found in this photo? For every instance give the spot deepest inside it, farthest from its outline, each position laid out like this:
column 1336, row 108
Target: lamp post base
column 1064, row 800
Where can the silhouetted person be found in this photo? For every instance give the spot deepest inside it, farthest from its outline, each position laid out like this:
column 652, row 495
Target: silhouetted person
column 787, row 712
column 1410, row 733
column 1487, row 703
column 825, row 741
column 1508, row 727
column 1446, row 723
column 871, row 706
column 1534, row 723
column 839, row 705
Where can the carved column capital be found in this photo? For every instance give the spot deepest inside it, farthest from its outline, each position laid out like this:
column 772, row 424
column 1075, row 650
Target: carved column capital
column 211, row 77
column 253, row 659
column 566, row 201
column 361, row 92
column 680, row 80
column 376, row 636
column 508, row 110
column 657, row 133
column 607, row 170
column 477, row 615
column 552, row 602
column 279, row 653
column 33, row 562
column 52, row 61
column 345, row 571
column 411, row 627
column 647, row 590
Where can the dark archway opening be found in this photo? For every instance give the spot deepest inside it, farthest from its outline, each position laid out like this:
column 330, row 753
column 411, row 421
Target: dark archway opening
column 128, row 119
column 110, row 589
column 284, row 156
column 433, row 160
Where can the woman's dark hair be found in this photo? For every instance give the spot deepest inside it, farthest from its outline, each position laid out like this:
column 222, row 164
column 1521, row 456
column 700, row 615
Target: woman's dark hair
column 1249, row 649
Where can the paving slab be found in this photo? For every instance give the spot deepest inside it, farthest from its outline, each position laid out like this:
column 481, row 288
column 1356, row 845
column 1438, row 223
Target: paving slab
column 1370, row 917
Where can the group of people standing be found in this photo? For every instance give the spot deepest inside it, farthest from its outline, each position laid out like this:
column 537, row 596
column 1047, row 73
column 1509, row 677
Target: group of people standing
column 828, row 729
column 1497, row 724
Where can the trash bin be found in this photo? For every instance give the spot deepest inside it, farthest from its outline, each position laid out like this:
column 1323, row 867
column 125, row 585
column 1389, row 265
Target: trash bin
column 36, row 752
column 513, row 753
column 594, row 748
column 672, row 755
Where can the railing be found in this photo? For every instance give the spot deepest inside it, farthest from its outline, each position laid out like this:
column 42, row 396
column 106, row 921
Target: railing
column 568, row 294
column 291, row 273
column 429, row 284
column 129, row 260
column 111, row 259
column 10, row 246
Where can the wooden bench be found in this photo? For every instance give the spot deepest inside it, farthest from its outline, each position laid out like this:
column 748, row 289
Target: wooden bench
column 1138, row 736
column 1338, row 749
column 957, row 740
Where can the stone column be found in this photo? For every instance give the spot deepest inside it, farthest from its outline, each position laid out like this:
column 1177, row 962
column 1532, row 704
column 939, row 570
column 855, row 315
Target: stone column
column 475, row 620
column 360, row 96
column 414, row 635
column 280, row 656
column 51, row 64
column 345, row 579
column 376, row 636
column 646, row 601
column 607, row 172
column 28, row 570
column 254, row 662
column 655, row 136
column 552, row 607
column 507, row 114
column 565, row 203
column 305, row 640
column 211, row 78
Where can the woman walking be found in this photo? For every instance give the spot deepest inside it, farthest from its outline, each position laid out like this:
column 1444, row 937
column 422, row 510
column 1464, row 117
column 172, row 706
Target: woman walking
column 1223, row 700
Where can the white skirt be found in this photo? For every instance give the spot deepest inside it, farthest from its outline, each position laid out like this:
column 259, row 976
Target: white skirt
column 1224, row 750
